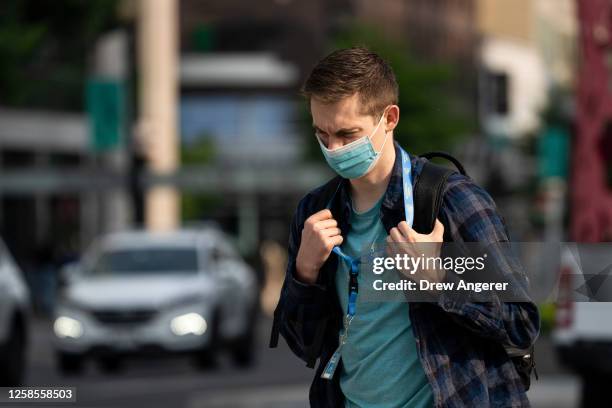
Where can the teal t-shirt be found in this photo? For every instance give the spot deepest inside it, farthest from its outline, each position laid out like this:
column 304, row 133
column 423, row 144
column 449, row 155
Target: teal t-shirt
column 380, row 366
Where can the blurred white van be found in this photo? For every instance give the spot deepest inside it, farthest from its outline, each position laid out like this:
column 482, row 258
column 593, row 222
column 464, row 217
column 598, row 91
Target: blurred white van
column 14, row 316
column 583, row 326
column 139, row 292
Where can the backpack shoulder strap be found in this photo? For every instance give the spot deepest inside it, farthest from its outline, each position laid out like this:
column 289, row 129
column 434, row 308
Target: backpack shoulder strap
column 325, row 195
column 428, row 191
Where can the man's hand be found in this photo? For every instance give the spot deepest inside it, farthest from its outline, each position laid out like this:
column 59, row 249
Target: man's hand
column 404, row 240
column 319, row 236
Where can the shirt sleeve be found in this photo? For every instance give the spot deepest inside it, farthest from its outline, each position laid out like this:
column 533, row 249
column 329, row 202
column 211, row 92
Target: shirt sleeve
column 302, row 311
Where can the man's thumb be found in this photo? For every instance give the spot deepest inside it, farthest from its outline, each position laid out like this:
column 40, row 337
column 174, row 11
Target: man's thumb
column 438, row 228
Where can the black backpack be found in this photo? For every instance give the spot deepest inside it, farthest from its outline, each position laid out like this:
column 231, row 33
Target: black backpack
column 428, row 192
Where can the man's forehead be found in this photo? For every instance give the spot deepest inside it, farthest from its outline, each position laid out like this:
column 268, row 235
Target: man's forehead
column 347, row 105
column 345, row 113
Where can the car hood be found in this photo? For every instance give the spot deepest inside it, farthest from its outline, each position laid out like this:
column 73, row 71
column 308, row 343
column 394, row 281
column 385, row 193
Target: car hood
column 143, row 291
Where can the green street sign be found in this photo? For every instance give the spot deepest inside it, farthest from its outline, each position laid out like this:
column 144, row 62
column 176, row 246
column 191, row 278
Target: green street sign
column 105, row 99
column 553, row 152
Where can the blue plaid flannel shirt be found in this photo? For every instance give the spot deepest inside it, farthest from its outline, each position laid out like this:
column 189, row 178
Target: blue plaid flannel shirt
column 460, row 344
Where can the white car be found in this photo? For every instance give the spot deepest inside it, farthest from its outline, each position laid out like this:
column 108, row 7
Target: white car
column 138, row 292
column 583, row 327
column 14, row 316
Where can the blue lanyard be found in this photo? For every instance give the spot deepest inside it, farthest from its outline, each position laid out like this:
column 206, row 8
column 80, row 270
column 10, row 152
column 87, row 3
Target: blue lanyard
column 354, row 263
column 332, row 364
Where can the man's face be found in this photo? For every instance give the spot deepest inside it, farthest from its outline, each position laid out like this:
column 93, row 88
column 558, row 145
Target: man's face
column 341, row 123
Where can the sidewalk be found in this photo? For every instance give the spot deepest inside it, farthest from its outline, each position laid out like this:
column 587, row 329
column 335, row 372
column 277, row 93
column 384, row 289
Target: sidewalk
column 548, row 392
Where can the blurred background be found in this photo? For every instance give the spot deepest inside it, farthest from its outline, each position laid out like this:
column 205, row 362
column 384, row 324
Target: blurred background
column 135, row 133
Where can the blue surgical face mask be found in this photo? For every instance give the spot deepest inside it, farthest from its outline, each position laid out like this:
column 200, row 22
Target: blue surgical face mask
column 355, row 159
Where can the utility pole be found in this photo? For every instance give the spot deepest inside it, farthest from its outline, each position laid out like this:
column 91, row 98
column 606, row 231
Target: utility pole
column 157, row 67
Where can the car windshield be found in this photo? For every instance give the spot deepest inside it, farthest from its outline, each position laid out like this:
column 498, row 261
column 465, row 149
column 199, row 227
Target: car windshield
column 146, row 260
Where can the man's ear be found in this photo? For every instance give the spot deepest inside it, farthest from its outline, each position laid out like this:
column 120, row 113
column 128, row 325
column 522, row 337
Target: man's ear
column 392, row 114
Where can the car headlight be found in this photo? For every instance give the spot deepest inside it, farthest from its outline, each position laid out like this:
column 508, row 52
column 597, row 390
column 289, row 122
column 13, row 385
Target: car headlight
column 188, row 323
column 65, row 326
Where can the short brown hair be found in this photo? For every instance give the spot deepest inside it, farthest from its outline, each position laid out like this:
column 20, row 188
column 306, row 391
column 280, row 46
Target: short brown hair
column 348, row 71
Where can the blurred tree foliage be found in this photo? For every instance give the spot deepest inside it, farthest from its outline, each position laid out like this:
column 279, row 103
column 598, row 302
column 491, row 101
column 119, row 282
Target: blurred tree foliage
column 200, row 151
column 432, row 116
column 198, row 206
column 44, row 47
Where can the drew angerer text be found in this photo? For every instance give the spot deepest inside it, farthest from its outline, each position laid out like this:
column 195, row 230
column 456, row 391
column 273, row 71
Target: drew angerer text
column 423, row 284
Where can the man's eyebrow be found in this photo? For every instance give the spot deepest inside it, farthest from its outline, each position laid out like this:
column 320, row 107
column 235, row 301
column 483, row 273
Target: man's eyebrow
column 342, row 131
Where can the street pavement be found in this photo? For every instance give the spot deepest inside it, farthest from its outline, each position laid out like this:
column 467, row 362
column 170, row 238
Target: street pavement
column 277, row 380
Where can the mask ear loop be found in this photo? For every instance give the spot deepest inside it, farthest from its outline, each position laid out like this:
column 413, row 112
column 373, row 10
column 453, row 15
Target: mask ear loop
column 375, row 130
column 383, row 145
column 379, row 153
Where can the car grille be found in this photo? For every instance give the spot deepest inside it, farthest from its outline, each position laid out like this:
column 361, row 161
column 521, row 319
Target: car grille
column 124, row 316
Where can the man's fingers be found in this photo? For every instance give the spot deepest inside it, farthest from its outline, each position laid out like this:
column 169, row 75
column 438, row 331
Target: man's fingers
column 330, row 232
column 320, row 216
column 336, row 240
column 406, row 231
column 321, row 225
column 396, row 235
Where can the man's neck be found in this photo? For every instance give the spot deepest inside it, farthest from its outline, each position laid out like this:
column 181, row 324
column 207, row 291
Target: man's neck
column 367, row 190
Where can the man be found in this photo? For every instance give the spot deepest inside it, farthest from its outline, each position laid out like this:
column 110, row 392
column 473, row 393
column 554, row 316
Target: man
column 448, row 353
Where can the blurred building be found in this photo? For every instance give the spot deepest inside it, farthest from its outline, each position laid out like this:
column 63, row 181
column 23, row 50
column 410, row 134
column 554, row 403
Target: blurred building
column 526, row 74
column 293, row 30
column 240, row 71
column 510, row 53
column 244, row 106
column 241, row 68
column 528, row 48
column 37, row 206
column 64, row 172
column 436, row 29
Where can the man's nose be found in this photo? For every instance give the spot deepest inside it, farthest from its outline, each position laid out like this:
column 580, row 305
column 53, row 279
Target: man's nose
column 334, row 142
